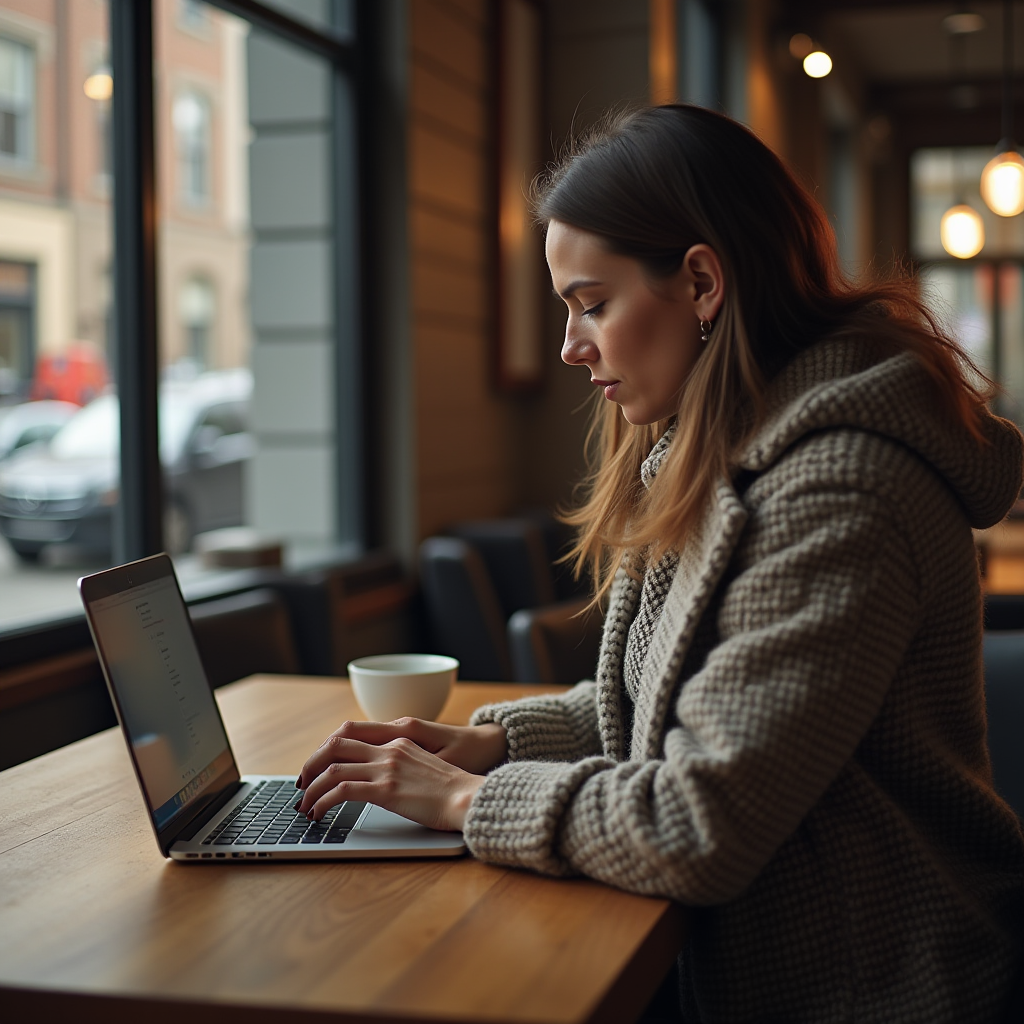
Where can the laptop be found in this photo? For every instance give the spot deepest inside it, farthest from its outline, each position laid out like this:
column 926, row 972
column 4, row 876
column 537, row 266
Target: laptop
column 200, row 806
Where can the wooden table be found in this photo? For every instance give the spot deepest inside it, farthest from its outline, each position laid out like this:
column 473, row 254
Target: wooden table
column 96, row 925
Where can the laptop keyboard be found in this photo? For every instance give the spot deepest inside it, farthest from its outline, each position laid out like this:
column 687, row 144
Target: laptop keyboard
column 267, row 818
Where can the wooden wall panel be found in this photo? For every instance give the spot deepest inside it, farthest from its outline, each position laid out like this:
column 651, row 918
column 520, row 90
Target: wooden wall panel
column 466, row 438
column 450, row 290
column 443, row 34
column 445, row 99
column 440, row 235
column 446, row 171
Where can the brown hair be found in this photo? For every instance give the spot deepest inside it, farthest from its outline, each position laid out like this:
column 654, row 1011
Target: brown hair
column 655, row 182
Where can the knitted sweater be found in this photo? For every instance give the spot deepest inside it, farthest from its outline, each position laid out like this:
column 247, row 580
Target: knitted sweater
column 807, row 764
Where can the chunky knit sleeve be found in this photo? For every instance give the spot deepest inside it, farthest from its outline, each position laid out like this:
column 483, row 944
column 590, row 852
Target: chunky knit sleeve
column 555, row 728
column 816, row 614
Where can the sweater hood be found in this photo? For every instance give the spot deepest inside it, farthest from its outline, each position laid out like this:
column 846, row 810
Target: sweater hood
column 842, row 384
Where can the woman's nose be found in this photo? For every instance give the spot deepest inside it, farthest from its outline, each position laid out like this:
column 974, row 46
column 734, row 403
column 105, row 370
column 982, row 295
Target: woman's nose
column 576, row 350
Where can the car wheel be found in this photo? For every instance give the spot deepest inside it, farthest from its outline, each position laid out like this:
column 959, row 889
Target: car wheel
column 27, row 553
column 177, row 529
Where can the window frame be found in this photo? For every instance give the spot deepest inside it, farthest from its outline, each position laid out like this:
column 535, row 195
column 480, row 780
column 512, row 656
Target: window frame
column 138, row 525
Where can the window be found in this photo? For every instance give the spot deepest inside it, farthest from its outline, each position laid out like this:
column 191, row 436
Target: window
column 191, row 120
column 17, row 96
column 257, row 298
column 980, row 300
column 198, row 309
column 17, row 320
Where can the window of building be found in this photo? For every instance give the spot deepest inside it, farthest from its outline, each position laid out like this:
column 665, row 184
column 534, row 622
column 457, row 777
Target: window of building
column 980, row 300
column 191, row 121
column 17, row 327
column 197, row 307
column 17, row 99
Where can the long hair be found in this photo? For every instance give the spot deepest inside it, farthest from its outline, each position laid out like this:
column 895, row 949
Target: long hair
column 655, row 182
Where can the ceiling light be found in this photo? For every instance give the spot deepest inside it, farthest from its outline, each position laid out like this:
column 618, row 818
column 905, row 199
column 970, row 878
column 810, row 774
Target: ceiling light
column 99, row 85
column 817, row 64
column 962, row 232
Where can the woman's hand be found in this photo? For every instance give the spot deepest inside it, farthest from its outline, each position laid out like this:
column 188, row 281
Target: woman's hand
column 418, row 769
column 474, row 748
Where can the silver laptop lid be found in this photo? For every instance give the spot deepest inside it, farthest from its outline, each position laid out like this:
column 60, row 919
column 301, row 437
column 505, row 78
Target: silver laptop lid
column 143, row 636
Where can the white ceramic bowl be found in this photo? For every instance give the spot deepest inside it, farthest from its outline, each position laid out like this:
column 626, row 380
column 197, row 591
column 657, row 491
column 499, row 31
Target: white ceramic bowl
column 390, row 686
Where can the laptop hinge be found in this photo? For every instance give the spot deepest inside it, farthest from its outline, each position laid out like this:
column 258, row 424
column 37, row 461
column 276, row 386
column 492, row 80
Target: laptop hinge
column 210, row 811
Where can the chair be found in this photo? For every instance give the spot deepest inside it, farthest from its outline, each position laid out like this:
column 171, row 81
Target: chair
column 1004, row 695
column 50, row 702
column 556, row 644
column 516, row 556
column 466, row 616
column 489, row 591
column 1004, row 611
column 242, row 634
column 348, row 610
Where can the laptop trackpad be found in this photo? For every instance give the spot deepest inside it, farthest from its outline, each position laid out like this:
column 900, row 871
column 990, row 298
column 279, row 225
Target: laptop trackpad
column 385, row 828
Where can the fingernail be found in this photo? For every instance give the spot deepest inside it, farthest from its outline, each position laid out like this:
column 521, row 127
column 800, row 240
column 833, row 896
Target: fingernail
column 298, row 782
column 309, row 814
column 295, row 806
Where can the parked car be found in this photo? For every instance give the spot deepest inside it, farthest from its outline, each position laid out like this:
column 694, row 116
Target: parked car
column 28, row 422
column 65, row 492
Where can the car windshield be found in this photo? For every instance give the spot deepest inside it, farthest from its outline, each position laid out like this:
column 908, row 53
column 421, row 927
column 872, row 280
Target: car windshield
column 93, row 433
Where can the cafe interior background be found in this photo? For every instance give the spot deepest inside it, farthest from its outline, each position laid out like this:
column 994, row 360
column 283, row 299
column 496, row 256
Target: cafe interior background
column 310, row 258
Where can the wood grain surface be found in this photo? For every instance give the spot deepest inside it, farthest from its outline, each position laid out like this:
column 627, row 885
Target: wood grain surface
column 96, row 925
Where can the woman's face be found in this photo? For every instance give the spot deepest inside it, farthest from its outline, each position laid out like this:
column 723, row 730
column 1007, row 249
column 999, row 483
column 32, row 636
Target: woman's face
column 638, row 338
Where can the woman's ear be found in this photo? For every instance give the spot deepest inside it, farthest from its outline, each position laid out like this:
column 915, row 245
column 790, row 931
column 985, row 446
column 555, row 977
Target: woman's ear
column 703, row 271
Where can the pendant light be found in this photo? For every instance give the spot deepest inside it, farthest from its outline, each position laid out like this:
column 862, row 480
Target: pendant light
column 961, row 230
column 1002, row 181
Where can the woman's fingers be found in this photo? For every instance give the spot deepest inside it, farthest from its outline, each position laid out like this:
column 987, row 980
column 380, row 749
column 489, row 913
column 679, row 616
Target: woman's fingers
column 375, row 733
column 332, row 753
column 329, row 787
column 400, row 776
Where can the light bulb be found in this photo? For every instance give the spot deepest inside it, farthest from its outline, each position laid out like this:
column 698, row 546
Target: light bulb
column 1002, row 184
column 99, row 85
column 817, row 64
column 962, row 232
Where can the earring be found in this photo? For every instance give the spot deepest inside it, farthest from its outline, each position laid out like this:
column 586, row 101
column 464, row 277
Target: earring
column 705, row 331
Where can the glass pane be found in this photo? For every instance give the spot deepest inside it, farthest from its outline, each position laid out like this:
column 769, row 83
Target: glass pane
column 247, row 286
column 941, row 178
column 333, row 16
column 58, row 423
column 1011, row 342
column 961, row 297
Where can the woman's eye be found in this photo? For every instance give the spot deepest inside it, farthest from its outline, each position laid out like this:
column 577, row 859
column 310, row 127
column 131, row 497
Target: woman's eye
column 593, row 310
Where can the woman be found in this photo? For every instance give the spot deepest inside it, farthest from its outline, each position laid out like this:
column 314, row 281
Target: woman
column 787, row 728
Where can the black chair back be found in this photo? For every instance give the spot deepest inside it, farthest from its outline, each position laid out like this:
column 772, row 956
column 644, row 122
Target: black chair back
column 242, row 634
column 516, row 557
column 1004, row 611
column 1004, row 695
column 557, row 644
column 464, row 611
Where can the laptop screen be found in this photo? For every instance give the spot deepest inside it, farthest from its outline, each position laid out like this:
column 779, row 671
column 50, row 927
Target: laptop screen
column 167, row 708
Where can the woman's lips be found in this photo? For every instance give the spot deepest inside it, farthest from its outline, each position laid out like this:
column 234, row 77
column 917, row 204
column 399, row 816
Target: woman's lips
column 610, row 387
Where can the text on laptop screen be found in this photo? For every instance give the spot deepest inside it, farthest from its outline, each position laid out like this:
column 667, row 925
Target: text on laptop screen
column 168, row 709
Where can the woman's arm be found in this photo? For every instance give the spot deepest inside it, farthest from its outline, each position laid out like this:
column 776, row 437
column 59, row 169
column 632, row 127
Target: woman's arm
column 560, row 727
column 429, row 771
column 813, row 628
